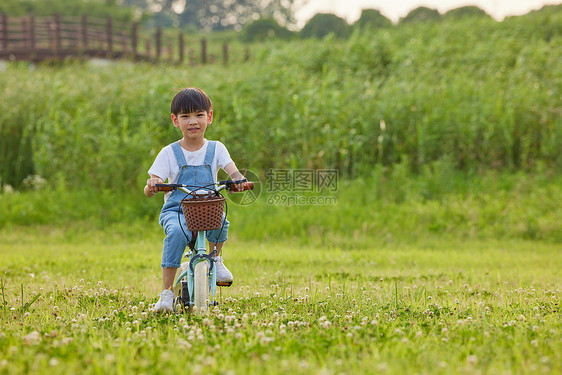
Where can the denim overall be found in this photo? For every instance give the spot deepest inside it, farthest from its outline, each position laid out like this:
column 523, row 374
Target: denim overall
column 194, row 176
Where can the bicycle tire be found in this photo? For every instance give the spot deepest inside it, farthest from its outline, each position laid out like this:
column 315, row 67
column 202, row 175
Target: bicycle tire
column 201, row 288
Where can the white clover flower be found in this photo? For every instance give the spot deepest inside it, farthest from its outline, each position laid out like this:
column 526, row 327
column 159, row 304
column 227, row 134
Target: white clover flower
column 31, row 338
column 472, row 359
column 535, row 343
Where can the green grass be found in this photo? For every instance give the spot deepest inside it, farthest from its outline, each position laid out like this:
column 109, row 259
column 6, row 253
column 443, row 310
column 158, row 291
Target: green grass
column 391, row 207
column 441, row 254
column 444, row 307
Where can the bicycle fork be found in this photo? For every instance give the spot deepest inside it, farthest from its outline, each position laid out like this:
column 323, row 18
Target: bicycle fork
column 199, row 255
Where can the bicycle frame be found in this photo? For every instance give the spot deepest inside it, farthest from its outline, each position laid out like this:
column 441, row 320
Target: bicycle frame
column 198, row 252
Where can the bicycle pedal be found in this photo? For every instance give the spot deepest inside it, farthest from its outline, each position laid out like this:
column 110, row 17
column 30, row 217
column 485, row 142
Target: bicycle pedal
column 222, row 283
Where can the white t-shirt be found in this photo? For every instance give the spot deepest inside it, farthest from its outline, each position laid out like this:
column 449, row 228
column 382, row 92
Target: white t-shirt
column 166, row 165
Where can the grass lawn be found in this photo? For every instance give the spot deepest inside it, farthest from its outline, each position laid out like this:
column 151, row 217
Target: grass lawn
column 436, row 306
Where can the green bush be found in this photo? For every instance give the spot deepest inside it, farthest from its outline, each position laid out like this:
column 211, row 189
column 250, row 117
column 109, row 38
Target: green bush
column 321, row 25
column 372, row 18
column 465, row 12
column 264, row 29
column 93, row 8
column 421, row 14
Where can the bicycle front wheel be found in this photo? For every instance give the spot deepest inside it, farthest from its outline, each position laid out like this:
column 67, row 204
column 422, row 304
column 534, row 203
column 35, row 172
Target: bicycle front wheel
column 201, row 288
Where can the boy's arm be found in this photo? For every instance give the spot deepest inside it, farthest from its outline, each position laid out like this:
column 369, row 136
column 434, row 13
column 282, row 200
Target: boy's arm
column 150, row 189
column 233, row 172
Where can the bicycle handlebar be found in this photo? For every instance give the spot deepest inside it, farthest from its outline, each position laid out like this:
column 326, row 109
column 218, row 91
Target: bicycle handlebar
column 231, row 186
column 168, row 187
column 235, row 187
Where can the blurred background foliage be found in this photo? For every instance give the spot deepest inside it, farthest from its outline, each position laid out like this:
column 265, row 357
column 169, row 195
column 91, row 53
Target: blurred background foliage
column 222, row 15
column 474, row 92
column 407, row 113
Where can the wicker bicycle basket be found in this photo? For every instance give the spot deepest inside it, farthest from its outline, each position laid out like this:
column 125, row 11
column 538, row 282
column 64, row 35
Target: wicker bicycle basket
column 203, row 213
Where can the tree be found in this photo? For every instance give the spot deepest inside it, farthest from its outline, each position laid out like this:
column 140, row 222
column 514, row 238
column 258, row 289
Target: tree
column 210, row 15
column 422, row 14
column 265, row 28
column 323, row 24
column 94, row 8
column 372, row 18
column 465, row 12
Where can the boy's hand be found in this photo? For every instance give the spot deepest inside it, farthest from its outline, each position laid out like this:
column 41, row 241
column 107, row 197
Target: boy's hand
column 150, row 189
column 245, row 185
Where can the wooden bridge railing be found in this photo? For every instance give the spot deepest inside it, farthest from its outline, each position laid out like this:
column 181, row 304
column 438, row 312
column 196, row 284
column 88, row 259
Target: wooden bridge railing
column 47, row 38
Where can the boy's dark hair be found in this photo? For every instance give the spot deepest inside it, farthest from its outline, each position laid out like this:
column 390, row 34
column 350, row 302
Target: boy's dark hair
column 191, row 100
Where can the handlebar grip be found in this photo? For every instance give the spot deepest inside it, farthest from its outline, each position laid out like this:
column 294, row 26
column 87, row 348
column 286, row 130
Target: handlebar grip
column 248, row 185
column 165, row 187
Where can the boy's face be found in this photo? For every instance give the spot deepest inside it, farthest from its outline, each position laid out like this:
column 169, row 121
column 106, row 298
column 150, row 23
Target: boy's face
column 194, row 124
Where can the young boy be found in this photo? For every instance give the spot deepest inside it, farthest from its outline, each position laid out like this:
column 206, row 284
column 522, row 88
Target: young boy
column 193, row 161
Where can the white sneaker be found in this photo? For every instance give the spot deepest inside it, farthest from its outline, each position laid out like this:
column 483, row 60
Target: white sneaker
column 166, row 302
column 224, row 277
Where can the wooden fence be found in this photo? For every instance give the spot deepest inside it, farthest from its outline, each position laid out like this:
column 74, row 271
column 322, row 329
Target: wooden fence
column 53, row 38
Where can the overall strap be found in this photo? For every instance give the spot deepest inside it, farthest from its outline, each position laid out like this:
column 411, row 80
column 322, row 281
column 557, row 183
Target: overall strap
column 179, row 154
column 210, row 154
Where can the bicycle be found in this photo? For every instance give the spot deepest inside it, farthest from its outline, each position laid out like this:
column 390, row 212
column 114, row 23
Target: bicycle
column 195, row 286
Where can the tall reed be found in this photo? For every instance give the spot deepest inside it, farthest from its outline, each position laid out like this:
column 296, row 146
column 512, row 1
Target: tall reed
column 477, row 93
